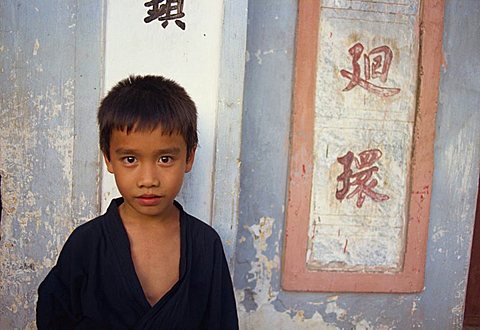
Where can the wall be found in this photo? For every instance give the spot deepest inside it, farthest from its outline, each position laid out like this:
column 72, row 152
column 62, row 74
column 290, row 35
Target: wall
column 50, row 59
column 264, row 156
column 51, row 69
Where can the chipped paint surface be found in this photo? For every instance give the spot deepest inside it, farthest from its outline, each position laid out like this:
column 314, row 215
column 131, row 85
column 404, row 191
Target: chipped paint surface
column 43, row 195
column 36, row 190
column 266, row 317
column 262, row 303
column 37, row 173
column 263, row 268
column 36, row 162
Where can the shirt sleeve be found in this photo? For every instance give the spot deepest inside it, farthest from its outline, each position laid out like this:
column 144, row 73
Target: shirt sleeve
column 58, row 305
column 222, row 309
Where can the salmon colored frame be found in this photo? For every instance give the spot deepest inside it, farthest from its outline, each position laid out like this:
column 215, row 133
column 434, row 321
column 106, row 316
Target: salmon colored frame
column 296, row 276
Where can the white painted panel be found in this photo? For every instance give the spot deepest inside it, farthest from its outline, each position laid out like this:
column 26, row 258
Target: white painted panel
column 190, row 57
column 363, row 135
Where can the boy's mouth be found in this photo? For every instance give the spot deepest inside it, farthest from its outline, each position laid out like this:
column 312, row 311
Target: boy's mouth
column 149, row 199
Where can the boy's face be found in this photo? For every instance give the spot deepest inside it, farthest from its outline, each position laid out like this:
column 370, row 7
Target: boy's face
column 148, row 168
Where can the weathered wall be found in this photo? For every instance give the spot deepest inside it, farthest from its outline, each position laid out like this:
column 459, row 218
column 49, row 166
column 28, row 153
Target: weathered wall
column 50, row 82
column 265, row 142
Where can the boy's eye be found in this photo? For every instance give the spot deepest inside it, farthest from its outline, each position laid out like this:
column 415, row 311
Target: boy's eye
column 129, row 160
column 165, row 159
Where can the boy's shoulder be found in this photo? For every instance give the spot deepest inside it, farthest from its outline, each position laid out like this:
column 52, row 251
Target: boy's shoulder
column 86, row 235
column 96, row 228
column 89, row 227
column 199, row 227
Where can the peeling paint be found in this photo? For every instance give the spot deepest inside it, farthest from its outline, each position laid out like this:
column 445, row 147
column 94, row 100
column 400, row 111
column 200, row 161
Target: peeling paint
column 37, row 116
column 263, row 266
column 414, row 307
column 36, row 47
column 264, row 295
column 259, row 53
column 364, row 325
column 438, row 233
column 258, row 57
column 266, row 317
column 340, row 313
column 456, row 146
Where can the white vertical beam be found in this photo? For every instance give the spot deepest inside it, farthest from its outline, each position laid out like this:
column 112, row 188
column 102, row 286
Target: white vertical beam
column 226, row 180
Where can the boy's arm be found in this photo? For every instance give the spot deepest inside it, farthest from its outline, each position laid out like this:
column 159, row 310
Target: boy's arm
column 229, row 305
column 58, row 305
column 222, row 309
column 53, row 311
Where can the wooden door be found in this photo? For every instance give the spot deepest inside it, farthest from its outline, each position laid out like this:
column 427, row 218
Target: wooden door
column 472, row 301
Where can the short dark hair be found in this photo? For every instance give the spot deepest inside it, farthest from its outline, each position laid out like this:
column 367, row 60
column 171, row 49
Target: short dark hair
column 145, row 103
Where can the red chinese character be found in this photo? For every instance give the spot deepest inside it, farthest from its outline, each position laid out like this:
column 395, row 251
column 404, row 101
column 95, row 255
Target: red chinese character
column 170, row 10
column 376, row 65
column 360, row 179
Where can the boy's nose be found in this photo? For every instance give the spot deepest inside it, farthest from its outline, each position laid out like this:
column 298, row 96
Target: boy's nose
column 148, row 177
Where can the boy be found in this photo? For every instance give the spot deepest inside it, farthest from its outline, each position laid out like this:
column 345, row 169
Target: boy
column 145, row 263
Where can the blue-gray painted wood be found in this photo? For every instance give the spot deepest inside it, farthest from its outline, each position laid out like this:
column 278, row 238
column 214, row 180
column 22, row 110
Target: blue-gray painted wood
column 265, row 137
column 266, row 129
column 89, row 64
column 457, row 161
column 226, row 180
column 50, row 73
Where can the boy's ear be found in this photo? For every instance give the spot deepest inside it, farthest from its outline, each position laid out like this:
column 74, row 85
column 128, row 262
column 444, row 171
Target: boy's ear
column 108, row 163
column 190, row 159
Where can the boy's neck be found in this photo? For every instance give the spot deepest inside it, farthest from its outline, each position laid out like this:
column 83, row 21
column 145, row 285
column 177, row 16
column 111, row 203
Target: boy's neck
column 130, row 218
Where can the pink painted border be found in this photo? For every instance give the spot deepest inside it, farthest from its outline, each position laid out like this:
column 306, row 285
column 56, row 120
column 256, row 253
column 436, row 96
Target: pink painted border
column 296, row 276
